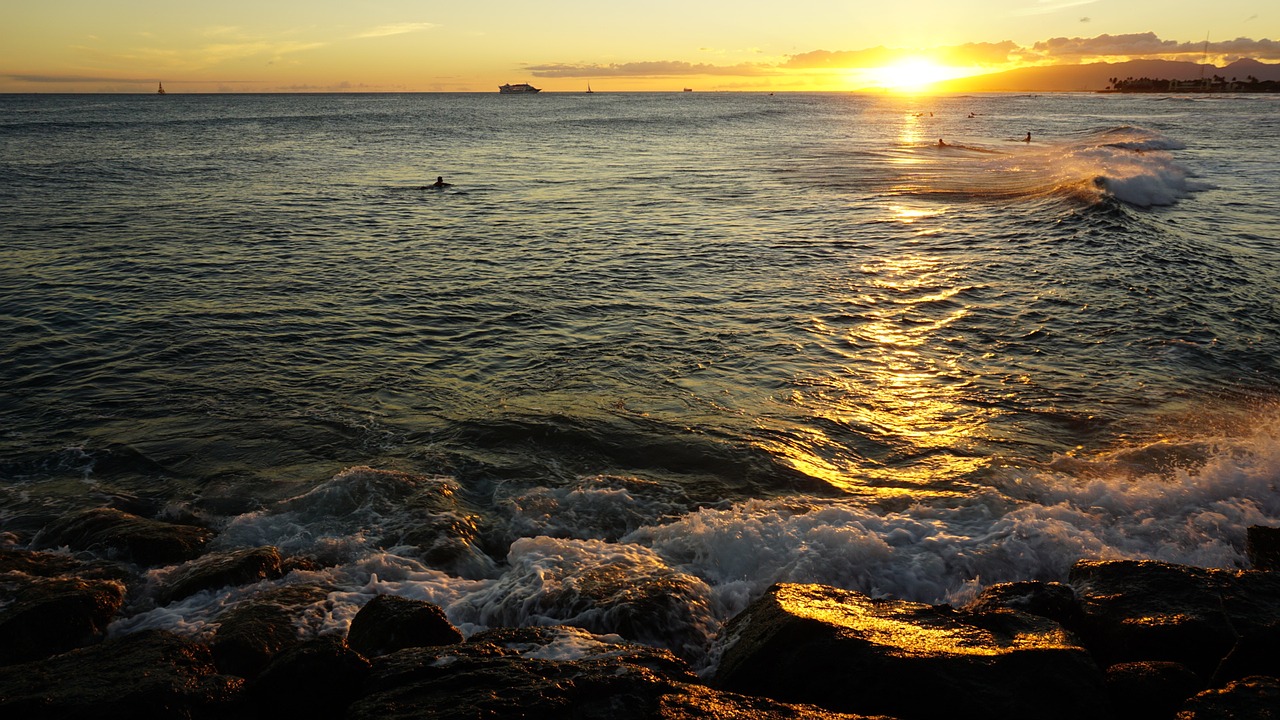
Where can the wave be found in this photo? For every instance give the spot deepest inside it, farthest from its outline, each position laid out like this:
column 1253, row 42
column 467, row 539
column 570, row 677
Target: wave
column 631, row 557
column 1128, row 164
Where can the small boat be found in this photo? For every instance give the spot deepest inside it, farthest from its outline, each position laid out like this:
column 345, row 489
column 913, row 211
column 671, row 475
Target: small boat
column 518, row 88
column 589, row 90
column 161, row 90
column 688, row 89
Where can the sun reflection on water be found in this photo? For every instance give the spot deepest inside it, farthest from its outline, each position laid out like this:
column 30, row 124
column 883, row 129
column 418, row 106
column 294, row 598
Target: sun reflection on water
column 896, row 408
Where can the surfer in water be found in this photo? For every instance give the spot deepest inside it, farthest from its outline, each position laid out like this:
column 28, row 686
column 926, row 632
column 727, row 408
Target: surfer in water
column 439, row 183
column 1028, row 138
column 942, row 144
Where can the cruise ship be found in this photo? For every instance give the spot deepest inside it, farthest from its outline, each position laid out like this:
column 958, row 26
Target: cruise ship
column 518, row 88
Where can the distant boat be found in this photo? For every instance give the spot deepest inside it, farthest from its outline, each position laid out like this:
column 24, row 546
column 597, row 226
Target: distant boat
column 688, row 89
column 161, row 90
column 589, row 90
column 518, row 88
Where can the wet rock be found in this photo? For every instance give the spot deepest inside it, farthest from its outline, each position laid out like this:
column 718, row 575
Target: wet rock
column 42, row 616
column 388, row 623
column 151, row 675
column 845, row 651
column 1150, row 690
column 121, row 535
column 1052, row 600
column 316, row 679
column 1252, row 606
column 1145, row 610
column 436, row 522
column 601, row 587
column 1262, row 545
column 215, row 570
column 484, row 680
column 41, row 564
column 252, row 633
column 1255, row 698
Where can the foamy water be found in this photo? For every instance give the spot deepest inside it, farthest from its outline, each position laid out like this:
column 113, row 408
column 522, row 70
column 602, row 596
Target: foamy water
column 649, row 353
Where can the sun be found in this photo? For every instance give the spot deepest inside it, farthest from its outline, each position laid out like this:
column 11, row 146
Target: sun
column 912, row 74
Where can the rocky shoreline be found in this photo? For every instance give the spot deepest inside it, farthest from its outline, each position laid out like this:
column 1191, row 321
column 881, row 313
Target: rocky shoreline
column 1120, row 639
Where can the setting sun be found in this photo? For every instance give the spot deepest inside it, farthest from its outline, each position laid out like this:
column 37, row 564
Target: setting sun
column 913, row 74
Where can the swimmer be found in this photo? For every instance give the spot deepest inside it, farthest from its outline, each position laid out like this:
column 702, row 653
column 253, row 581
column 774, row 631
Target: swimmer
column 439, row 183
column 1028, row 138
column 942, row 144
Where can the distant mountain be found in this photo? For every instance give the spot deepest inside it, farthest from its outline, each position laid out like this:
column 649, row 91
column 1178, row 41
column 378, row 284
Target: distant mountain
column 1097, row 76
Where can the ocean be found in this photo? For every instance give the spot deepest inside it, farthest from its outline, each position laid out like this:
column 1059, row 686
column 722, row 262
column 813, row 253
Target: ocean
column 647, row 353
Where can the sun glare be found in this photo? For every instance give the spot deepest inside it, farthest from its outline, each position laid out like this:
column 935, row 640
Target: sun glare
column 912, row 75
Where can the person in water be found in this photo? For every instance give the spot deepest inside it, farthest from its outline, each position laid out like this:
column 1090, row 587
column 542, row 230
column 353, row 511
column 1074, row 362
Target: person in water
column 942, row 144
column 439, row 182
column 1028, row 139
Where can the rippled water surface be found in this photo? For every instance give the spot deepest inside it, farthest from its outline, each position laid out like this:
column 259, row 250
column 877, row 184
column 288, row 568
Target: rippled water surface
column 736, row 337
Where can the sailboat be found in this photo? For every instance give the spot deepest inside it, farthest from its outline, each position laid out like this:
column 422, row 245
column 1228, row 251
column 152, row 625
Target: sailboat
column 589, row 90
column 161, row 90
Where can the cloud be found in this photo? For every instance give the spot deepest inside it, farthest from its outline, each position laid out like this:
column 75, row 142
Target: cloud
column 967, row 54
column 1044, row 7
column 654, row 68
column 1148, row 45
column 396, row 29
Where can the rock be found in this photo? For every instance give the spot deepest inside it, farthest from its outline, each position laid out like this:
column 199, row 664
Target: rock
column 606, row 588
column 1254, row 698
column 1262, row 545
column 40, row 617
column 1052, row 600
column 1144, row 610
column 316, row 679
column 130, row 537
column 845, row 651
column 1150, row 690
column 215, row 570
column 440, row 528
column 16, row 564
column 388, row 623
column 252, row 633
column 1252, row 606
column 41, row 564
column 152, row 675
column 483, row 680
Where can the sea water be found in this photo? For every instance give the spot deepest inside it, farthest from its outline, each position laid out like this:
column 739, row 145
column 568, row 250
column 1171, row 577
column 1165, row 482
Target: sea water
column 680, row 345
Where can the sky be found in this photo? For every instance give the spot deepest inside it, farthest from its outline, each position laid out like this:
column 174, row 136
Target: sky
column 562, row 45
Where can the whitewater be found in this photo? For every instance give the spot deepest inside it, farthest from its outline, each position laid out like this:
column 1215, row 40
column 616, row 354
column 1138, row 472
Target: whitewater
column 648, row 353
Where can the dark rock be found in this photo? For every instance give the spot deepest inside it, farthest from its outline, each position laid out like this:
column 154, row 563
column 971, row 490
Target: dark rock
column 1221, row 624
column 152, row 675
column 255, row 631
column 1150, row 690
column 561, row 642
column 388, row 623
column 1254, row 698
column 845, row 651
column 119, row 534
column 40, row 617
column 483, row 680
column 215, row 570
column 1262, row 545
column 441, row 528
column 316, row 679
column 39, row 564
column 631, row 595
column 1052, row 600
column 1145, row 610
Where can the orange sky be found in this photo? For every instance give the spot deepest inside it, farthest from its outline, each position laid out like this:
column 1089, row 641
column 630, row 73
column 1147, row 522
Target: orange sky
column 408, row 45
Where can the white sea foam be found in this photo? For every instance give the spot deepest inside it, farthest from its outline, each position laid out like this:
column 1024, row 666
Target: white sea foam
column 673, row 583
